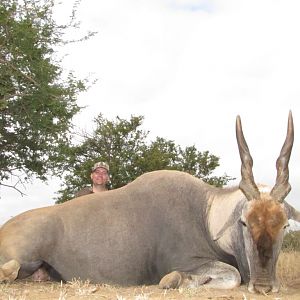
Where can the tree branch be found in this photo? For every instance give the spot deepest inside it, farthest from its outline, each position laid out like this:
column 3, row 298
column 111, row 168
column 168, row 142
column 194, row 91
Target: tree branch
column 16, row 69
column 13, row 187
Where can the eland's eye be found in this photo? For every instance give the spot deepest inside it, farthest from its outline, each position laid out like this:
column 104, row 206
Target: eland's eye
column 286, row 226
column 243, row 223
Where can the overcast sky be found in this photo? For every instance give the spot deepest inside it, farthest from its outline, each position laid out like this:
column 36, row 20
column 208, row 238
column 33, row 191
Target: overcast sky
column 189, row 67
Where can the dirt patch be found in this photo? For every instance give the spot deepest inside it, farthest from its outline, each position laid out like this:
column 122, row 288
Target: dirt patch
column 26, row 290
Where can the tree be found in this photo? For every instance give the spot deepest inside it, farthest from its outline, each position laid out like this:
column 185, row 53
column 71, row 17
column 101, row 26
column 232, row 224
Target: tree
column 201, row 165
column 119, row 143
column 37, row 101
column 124, row 146
column 160, row 154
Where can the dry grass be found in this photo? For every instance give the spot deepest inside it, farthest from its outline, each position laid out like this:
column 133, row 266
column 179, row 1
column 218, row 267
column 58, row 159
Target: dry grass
column 288, row 269
column 288, row 273
column 83, row 288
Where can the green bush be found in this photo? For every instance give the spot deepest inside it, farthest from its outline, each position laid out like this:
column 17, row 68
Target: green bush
column 291, row 241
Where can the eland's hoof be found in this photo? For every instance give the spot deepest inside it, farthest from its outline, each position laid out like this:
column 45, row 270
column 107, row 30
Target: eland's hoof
column 171, row 281
column 9, row 271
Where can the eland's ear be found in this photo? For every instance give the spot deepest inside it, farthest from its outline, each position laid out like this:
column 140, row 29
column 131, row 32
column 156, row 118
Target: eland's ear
column 292, row 213
column 233, row 219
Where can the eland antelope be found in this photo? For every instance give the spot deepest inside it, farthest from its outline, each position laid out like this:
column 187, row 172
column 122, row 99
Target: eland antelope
column 165, row 227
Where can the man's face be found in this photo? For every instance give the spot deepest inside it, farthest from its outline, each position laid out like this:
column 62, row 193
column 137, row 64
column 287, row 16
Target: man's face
column 100, row 176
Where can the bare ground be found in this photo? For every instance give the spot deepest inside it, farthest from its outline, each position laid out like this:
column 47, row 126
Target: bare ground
column 288, row 272
column 27, row 290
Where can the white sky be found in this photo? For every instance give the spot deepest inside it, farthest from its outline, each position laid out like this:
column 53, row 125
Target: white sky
column 190, row 67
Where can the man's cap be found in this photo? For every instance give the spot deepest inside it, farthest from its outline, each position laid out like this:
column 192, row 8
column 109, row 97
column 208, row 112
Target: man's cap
column 100, row 164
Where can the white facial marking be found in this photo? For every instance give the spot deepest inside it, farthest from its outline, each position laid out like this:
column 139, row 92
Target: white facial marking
column 264, row 188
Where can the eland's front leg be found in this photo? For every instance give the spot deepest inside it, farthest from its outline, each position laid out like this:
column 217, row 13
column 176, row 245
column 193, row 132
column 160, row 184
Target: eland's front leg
column 216, row 275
